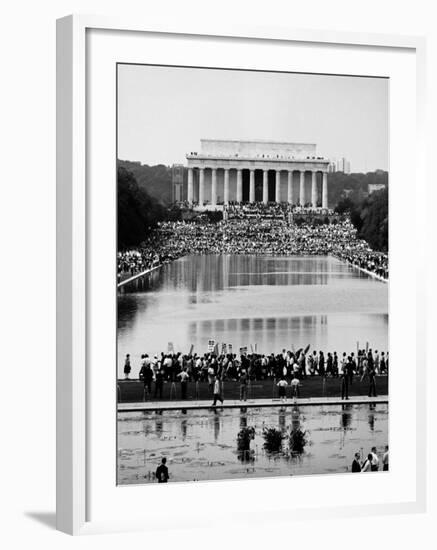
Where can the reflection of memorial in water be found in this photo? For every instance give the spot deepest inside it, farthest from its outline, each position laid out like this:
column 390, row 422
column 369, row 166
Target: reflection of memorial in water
column 267, row 333
column 216, row 273
column 271, row 301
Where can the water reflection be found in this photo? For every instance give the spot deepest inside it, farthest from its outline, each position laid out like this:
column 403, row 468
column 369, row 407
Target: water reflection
column 371, row 417
column 219, row 272
column 270, row 302
column 184, row 424
column 346, row 416
column 216, row 424
column 203, row 444
column 243, row 418
column 282, row 419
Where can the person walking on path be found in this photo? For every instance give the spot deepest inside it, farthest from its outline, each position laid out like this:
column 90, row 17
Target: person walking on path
column 344, row 382
column 127, row 367
column 282, row 384
column 372, row 384
column 211, row 375
column 350, row 370
column 217, row 392
column 356, row 466
column 161, row 473
column 295, row 383
column 243, row 386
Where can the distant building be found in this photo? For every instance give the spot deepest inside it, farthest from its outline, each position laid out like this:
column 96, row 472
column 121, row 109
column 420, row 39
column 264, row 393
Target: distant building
column 239, row 171
column 340, row 165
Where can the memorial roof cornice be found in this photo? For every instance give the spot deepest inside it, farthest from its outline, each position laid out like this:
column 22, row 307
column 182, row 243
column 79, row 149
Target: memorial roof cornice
column 234, row 158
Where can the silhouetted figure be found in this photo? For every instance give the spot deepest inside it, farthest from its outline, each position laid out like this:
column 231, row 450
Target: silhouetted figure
column 162, row 472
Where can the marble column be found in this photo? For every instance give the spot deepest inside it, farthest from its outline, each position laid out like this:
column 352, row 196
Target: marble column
column 325, row 190
column 201, row 186
column 190, row 191
column 278, row 187
column 213, row 186
column 314, row 189
column 226, row 186
column 302, row 188
column 239, row 186
column 265, row 186
column 290, row 188
column 252, row 186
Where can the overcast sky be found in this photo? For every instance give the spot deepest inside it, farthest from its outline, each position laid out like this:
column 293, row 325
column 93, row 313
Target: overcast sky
column 163, row 112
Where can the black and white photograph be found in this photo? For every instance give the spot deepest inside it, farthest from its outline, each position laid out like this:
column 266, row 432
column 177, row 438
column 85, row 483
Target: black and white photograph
column 252, row 274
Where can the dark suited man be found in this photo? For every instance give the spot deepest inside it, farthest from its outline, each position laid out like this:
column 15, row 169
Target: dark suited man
column 161, row 473
column 356, row 466
column 350, row 370
column 372, row 384
column 344, row 382
column 159, row 383
column 146, row 375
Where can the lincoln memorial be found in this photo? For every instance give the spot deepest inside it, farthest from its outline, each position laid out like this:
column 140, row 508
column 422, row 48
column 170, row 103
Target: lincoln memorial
column 227, row 171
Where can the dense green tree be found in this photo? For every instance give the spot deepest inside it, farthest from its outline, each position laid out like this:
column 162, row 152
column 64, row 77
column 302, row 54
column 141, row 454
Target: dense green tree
column 353, row 186
column 155, row 180
column 137, row 210
column 374, row 216
column 370, row 217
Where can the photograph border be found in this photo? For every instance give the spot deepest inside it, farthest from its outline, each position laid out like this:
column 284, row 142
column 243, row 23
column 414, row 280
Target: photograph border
column 72, row 303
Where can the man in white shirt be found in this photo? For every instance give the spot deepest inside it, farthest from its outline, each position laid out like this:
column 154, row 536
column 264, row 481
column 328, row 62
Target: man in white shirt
column 367, row 466
column 184, row 383
column 375, row 460
column 217, row 392
column 282, row 384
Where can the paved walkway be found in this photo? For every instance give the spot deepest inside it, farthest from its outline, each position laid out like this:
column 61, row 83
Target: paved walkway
column 231, row 404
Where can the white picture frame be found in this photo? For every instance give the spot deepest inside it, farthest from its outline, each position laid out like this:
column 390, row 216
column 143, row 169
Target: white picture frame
column 74, row 393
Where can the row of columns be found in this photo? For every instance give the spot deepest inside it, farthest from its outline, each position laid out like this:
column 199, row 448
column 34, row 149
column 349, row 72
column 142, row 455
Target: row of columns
column 252, row 187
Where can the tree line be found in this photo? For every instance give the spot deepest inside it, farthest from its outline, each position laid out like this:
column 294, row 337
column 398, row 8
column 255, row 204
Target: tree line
column 370, row 217
column 138, row 212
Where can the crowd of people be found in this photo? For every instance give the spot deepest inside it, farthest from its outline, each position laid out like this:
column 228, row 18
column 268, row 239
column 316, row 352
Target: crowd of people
column 372, row 462
column 284, row 211
column 287, row 365
column 375, row 262
column 132, row 262
column 254, row 229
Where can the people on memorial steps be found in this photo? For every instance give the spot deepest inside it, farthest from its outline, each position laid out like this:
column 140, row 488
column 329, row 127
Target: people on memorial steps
column 253, row 229
column 246, row 367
